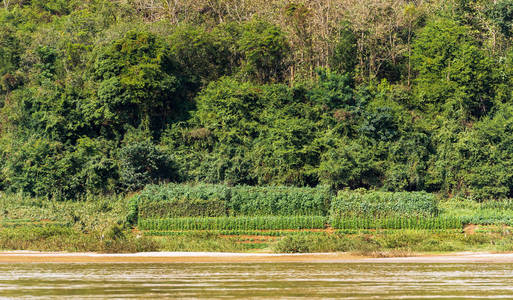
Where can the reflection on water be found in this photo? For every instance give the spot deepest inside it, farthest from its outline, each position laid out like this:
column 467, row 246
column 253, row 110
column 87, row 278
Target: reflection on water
column 287, row 280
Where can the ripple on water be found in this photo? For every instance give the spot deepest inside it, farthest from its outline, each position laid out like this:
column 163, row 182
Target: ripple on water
column 283, row 280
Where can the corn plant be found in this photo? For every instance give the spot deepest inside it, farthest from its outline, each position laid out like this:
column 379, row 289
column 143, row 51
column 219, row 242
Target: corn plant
column 234, row 223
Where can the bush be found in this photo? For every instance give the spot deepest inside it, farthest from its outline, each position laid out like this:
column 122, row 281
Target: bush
column 293, row 244
column 142, row 163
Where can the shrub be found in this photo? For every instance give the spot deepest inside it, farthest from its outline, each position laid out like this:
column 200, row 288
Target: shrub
column 142, row 163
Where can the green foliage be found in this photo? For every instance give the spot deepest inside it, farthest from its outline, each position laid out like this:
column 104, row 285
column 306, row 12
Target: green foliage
column 345, row 53
column 381, row 204
column 234, row 223
column 267, row 94
column 454, row 74
column 137, row 83
column 265, row 50
column 177, row 200
column 501, row 13
column 41, row 167
column 141, row 163
column 333, row 90
column 490, row 212
column 280, row 201
column 403, row 222
column 206, row 200
column 203, row 55
column 486, row 157
column 10, row 49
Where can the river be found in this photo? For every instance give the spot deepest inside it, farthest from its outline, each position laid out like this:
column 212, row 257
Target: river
column 261, row 280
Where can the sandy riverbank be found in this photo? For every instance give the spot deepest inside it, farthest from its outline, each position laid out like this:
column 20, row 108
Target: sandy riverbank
column 215, row 257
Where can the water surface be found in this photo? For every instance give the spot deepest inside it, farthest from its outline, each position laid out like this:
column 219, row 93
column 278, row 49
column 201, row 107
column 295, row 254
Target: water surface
column 282, row 280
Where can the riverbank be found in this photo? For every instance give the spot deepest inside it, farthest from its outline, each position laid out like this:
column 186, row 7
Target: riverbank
column 101, row 226
column 219, row 257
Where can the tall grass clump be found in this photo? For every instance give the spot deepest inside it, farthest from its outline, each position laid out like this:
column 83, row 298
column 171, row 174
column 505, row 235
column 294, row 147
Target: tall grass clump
column 92, row 213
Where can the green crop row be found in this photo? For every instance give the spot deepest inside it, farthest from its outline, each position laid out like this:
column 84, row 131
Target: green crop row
column 273, row 233
column 396, row 223
column 238, row 224
column 486, row 219
column 485, row 213
column 234, row 223
column 280, row 233
column 209, row 200
column 279, row 200
column 380, row 204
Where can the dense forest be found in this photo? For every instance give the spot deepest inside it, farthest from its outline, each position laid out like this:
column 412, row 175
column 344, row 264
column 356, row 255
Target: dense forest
column 101, row 96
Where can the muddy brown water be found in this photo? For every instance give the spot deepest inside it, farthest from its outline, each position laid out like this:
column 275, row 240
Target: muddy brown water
column 257, row 280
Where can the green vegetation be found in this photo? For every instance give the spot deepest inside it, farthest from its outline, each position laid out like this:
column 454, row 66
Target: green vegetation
column 102, row 98
column 382, row 204
column 234, row 223
column 100, row 225
column 208, row 200
column 227, row 115
column 395, row 243
column 175, row 200
column 396, row 223
column 485, row 213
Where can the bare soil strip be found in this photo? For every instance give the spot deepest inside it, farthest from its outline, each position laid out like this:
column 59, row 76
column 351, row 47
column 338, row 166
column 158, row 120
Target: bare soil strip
column 214, row 257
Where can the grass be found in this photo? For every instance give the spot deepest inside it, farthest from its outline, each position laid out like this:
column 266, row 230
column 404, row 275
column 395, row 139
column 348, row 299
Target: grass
column 404, row 241
column 95, row 224
column 99, row 224
column 90, row 215
column 59, row 238
column 485, row 213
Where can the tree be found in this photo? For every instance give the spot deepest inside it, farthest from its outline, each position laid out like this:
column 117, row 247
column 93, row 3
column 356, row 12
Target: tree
column 204, row 55
column 141, row 163
column 137, row 84
column 454, row 75
column 487, row 156
column 264, row 49
column 344, row 57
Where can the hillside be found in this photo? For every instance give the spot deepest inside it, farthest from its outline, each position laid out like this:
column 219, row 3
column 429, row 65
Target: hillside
column 105, row 97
